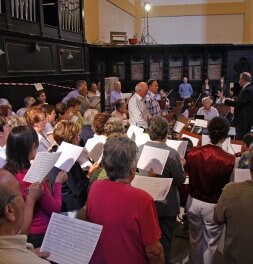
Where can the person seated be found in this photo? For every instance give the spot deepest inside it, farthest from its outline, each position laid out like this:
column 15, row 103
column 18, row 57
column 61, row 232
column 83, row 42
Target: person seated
column 187, row 104
column 207, row 109
column 41, row 97
column 87, row 131
column 36, row 118
column 98, row 126
column 4, row 132
column 116, row 95
column 234, row 209
column 28, row 102
column 62, row 112
column 121, row 113
column 21, row 148
column 13, row 246
column 247, row 144
column 74, row 107
column 127, row 214
column 49, row 111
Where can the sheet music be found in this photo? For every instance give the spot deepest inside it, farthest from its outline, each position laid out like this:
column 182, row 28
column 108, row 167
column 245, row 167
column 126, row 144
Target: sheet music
column 158, row 188
column 70, row 240
column 42, row 164
column 242, row 175
column 69, row 155
column 134, row 130
column 141, row 139
column 179, row 145
column 194, row 140
column 97, row 151
column 178, row 126
column 38, row 86
column 154, row 158
column 236, row 148
column 205, row 139
column 201, row 123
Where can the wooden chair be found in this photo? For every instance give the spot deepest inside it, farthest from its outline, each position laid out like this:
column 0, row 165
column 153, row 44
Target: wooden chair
column 222, row 109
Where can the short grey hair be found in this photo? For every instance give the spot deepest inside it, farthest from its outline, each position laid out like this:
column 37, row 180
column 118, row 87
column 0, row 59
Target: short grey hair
column 158, row 128
column 207, row 98
column 114, row 125
column 88, row 116
column 246, row 76
column 119, row 157
column 29, row 101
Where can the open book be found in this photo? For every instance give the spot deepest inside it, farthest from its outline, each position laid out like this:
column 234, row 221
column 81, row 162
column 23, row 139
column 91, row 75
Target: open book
column 158, row 188
column 70, row 240
column 179, row 145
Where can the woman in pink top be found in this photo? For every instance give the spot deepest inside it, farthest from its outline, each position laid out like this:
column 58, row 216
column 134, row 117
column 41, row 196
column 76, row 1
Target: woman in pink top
column 21, row 148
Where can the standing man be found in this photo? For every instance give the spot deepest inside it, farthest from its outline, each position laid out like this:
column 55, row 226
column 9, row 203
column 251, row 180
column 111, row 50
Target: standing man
column 243, row 115
column 116, row 95
column 185, row 89
column 150, row 98
column 138, row 112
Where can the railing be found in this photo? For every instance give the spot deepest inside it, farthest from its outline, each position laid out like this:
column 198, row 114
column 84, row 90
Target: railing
column 70, row 14
column 24, row 9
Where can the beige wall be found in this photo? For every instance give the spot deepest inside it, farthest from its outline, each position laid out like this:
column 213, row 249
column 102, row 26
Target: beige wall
column 181, row 21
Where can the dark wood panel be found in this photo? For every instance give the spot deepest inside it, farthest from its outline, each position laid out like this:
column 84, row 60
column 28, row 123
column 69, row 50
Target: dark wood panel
column 29, row 57
column 71, row 59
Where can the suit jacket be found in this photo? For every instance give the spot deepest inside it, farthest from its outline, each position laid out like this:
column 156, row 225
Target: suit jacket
column 243, row 111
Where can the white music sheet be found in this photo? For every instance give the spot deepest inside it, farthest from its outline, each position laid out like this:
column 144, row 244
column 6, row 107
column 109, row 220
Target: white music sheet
column 133, row 130
column 70, row 240
column 42, row 164
column 178, row 126
column 242, row 175
column 158, row 188
column 179, row 145
column 201, row 123
column 194, row 140
column 154, row 158
column 69, row 155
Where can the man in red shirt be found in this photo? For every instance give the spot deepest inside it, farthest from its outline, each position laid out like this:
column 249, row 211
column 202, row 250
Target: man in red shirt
column 131, row 230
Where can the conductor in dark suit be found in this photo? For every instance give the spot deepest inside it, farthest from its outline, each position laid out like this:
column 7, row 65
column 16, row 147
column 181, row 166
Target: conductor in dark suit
column 243, row 115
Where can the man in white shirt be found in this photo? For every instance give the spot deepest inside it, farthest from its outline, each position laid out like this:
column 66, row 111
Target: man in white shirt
column 116, row 95
column 138, row 112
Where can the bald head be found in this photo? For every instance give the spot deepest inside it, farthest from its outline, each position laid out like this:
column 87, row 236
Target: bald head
column 141, row 89
column 11, row 204
column 117, row 86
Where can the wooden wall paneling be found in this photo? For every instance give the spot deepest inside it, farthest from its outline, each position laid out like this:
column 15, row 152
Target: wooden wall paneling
column 28, row 56
column 71, row 58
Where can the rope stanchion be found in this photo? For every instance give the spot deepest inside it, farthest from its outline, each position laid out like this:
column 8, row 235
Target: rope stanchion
column 33, row 84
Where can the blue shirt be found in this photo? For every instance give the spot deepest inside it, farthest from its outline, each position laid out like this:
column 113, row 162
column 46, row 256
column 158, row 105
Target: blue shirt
column 185, row 90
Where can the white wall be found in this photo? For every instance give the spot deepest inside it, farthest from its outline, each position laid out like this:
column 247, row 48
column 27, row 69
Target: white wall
column 197, row 29
column 183, row 2
column 114, row 19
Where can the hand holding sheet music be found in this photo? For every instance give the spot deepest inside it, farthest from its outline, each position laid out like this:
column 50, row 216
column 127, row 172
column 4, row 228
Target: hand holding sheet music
column 70, row 240
column 42, row 164
column 69, row 155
